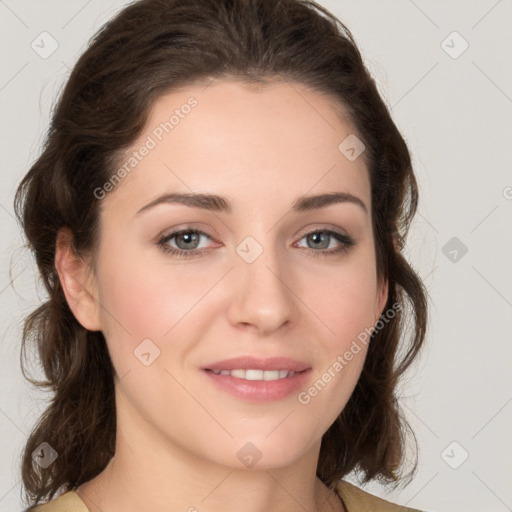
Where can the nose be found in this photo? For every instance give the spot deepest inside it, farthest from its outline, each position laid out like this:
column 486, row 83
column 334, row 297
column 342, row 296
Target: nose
column 263, row 297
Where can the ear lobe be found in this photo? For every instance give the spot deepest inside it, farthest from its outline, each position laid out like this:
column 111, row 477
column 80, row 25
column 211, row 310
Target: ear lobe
column 76, row 282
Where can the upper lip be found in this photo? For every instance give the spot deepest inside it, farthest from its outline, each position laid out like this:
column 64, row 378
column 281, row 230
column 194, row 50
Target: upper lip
column 258, row 363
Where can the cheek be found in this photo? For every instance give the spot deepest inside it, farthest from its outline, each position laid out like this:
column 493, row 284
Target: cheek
column 170, row 304
column 143, row 285
column 140, row 300
column 343, row 300
column 344, row 310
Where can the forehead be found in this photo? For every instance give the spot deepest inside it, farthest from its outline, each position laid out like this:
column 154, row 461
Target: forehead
column 242, row 141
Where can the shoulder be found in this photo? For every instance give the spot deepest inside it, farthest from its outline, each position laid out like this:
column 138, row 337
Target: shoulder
column 354, row 498
column 67, row 502
column 357, row 500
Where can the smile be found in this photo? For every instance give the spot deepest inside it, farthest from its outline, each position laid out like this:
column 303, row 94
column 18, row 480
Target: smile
column 256, row 374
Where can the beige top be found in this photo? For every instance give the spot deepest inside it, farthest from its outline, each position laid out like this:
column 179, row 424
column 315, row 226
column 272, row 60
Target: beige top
column 354, row 499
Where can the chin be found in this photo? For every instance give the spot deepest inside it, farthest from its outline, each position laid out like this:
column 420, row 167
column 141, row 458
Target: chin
column 264, row 451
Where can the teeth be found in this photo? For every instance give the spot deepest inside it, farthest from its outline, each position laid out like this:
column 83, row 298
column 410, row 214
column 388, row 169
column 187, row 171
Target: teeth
column 256, row 374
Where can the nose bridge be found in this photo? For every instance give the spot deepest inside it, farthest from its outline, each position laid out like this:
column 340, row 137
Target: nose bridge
column 263, row 296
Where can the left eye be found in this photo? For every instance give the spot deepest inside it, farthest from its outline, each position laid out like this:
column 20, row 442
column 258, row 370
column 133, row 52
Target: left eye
column 187, row 241
column 323, row 238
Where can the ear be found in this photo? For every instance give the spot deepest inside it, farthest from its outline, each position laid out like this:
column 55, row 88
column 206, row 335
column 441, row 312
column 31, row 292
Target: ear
column 77, row 281
column 381, row 298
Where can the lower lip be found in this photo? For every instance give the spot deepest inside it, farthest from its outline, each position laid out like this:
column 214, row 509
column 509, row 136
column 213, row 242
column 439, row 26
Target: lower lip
column 259, row 390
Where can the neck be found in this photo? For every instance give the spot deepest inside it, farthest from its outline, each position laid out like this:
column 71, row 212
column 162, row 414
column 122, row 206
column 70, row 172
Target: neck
column 140, row 478
column 128, row 484
column 149, row 472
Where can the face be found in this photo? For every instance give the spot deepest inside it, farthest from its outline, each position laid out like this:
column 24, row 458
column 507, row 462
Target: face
column 258, row 272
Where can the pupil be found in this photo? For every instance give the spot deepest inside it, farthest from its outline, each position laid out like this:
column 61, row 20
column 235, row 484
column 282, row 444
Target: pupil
column 190, row 238
column 317, row 237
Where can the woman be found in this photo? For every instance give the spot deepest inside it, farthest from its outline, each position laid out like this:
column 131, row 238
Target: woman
column 204, row 354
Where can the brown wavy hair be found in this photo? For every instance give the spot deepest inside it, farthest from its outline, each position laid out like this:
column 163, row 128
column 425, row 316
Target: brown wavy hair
column 148, row 49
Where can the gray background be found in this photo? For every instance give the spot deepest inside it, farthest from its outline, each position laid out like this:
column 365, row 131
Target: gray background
column 455, row 113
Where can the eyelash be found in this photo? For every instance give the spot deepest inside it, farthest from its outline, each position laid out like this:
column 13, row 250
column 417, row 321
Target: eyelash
column 346, row 241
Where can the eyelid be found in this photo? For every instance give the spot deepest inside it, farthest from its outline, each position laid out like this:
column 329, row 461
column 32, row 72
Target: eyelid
column 164, row 238
column 196, row 227
column 321, row 227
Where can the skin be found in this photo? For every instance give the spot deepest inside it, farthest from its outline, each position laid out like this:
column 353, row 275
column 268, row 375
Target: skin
column 177, row 434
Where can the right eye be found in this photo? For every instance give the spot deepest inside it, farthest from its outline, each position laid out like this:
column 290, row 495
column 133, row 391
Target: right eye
column 183, row 237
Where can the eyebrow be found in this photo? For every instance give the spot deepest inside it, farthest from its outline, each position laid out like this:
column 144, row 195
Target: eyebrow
column 216, row 203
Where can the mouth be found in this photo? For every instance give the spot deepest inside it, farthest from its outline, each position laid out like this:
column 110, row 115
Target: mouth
column 255, row 374
column 255, row 379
